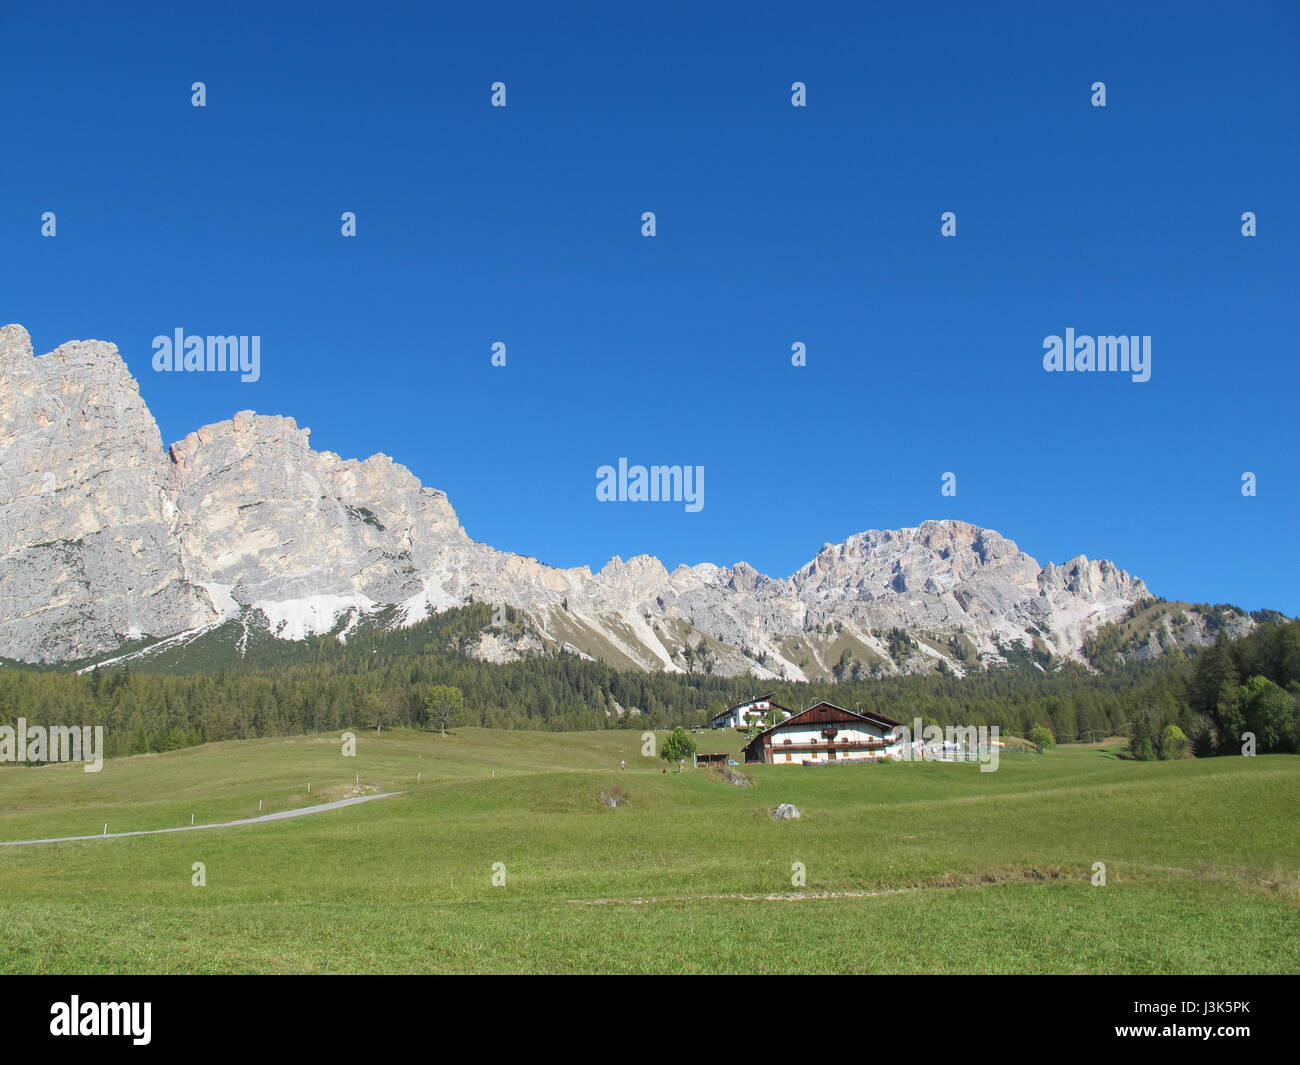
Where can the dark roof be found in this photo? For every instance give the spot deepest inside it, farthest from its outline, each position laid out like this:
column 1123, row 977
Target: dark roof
column 746, row 702
column 829, row 713
column 870, row 715
column 755, row 699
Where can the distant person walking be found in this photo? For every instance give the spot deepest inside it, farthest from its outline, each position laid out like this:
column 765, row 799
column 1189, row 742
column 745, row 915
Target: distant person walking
column 622, row 764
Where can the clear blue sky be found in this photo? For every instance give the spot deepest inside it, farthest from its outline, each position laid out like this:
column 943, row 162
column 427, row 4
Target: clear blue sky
column 775, row 225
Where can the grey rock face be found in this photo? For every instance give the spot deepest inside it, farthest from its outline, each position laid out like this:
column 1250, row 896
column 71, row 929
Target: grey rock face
column 106, row 538
column 265, row 521
column 89, row 556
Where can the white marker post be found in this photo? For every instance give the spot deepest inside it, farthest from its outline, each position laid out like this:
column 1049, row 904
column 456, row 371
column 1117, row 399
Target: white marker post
column 106, row 830
column 358, row 778
column 259, row 806
column 191, row 819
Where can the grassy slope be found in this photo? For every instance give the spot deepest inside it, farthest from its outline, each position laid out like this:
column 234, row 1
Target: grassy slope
column 1202, row 863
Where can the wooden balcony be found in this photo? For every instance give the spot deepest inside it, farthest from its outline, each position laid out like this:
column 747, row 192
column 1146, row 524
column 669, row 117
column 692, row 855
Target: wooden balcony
column 826, row 748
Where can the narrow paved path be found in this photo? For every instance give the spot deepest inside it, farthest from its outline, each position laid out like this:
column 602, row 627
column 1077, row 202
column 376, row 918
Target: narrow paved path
column 281, row 816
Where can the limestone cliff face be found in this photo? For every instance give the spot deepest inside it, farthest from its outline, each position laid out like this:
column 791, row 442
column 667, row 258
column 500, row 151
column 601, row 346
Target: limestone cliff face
column 106, row 539
column 89, row 555
column 264, row 520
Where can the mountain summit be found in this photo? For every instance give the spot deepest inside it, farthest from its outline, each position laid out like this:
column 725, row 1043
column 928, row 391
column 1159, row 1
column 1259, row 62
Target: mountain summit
column 110, row 543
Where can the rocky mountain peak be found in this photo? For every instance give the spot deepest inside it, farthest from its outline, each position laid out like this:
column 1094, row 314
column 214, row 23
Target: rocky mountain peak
column 107, row 540
column 14, row 342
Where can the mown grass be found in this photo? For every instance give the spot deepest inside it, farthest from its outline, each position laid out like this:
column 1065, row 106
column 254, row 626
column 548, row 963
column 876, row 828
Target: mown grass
column 977, row 872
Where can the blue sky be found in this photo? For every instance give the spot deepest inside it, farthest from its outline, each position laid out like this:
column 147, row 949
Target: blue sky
column 775, row 225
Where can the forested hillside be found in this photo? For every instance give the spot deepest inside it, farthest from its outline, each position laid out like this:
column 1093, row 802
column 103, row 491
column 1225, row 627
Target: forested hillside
column 1170, row 707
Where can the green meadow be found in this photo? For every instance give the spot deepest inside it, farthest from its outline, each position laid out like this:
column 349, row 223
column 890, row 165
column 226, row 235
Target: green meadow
column 908, row 868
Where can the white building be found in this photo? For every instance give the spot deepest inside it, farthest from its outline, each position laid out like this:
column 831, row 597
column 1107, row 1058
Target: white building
column 824, row 734
column 754, row 712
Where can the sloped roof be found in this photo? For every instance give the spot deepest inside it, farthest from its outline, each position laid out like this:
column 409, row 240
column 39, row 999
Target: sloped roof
column 756, row 699
column 828, row 714
column 746, row 702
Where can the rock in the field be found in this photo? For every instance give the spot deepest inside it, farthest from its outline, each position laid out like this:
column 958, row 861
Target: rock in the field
column 614, row 798
column 786, row 812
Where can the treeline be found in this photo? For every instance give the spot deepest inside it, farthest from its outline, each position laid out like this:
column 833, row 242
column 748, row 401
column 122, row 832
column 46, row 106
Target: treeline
column 1251, row 684
column 1239, row 693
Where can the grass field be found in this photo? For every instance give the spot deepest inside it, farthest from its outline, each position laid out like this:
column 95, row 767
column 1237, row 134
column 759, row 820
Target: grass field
column 920, row 867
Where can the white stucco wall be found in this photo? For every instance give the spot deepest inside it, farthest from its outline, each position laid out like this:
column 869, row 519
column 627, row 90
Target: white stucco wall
column 853, row 732
column 736, row 718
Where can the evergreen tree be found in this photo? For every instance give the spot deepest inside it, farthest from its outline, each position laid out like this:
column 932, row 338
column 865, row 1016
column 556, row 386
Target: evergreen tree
column 1141, row 746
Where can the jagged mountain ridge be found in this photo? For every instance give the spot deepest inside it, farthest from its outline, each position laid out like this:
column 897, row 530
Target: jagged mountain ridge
column 107, row 540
